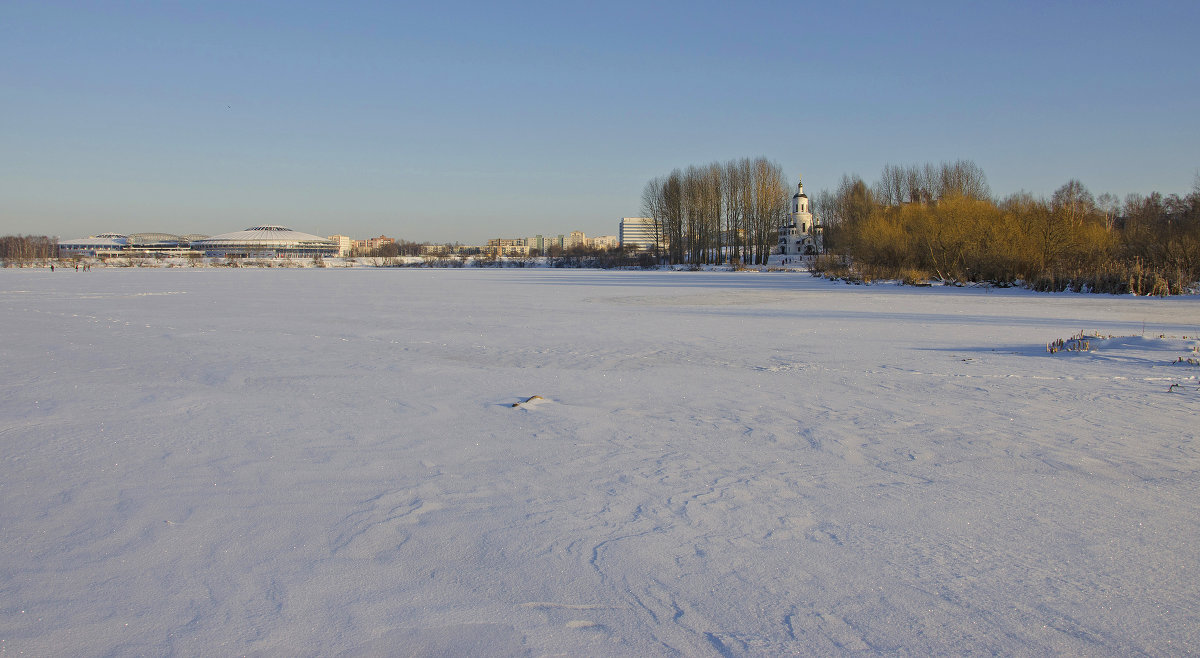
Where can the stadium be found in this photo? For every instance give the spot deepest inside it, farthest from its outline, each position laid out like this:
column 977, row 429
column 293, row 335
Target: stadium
column 266, row 242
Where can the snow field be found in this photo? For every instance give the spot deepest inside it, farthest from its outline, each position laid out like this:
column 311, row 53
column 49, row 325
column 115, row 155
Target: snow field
column 311, row 462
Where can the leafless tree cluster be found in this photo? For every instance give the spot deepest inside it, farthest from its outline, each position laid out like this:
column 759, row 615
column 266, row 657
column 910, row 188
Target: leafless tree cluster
column 928, row 183
column 1163, row 231
column 848, row 205
column 395, row 249
column 893, row 229
column 718, row 212
column 20, row 248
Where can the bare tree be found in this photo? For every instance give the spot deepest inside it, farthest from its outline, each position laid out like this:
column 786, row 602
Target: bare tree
column 770, row 207
column 893, row 186
column 654, row 207
column 712, row 211
column 745, row 201
column 693, row 214
column 1109, row 206
column 963, row 178
column 673, row 215
column 731, row 183
column 1073, row 200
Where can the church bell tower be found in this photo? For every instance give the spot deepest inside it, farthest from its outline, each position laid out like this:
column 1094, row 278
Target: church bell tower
column 801, row 235
column 801, row 216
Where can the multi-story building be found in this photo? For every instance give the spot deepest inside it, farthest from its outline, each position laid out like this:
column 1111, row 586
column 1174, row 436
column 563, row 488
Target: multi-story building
column 576, row 239
column 640, row 233
column 507, row 242
column 509, row 246
column 344, row 244
column 371, row 244
column 604, row 242
column 543, row 243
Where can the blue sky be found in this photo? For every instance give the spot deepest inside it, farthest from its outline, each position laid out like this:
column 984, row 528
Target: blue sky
column 460, row 121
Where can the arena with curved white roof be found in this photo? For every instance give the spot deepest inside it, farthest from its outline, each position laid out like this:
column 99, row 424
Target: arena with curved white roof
column 104, row 244
column 268, row 241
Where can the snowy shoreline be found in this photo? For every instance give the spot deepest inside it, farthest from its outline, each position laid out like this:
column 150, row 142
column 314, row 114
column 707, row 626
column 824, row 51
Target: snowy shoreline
column 776, row 264
column 719, row 464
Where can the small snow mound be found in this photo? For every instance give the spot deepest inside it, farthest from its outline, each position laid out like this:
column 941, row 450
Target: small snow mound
column 531, row 401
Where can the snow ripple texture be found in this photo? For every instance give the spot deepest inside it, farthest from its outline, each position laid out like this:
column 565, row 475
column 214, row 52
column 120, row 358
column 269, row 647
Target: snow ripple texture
column 306, row 462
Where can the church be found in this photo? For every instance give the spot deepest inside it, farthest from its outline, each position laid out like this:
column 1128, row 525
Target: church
column 801, row 235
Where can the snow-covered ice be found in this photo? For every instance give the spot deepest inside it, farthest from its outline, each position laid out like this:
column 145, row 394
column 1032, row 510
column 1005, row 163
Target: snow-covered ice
column 315, row 462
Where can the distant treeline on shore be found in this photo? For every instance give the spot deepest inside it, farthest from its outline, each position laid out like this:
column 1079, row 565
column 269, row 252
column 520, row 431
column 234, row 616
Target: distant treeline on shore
column 16, row 251
column 916, row 224
column 27, row 247
column 923, row 223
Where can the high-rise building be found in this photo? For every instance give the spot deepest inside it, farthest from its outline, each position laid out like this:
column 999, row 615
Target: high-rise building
column 641, row 233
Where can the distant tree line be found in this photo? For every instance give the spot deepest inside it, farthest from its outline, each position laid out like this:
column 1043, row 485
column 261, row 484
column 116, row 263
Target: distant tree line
column 940, row 222
column 717, row 212
column 395, row 249
column 584, row 257
column 19, row 248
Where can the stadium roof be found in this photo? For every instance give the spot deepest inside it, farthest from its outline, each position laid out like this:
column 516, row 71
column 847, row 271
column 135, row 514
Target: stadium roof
column 269, row 235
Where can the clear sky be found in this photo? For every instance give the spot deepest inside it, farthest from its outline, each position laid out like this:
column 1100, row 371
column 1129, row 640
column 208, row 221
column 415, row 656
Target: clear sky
column 460, row 121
